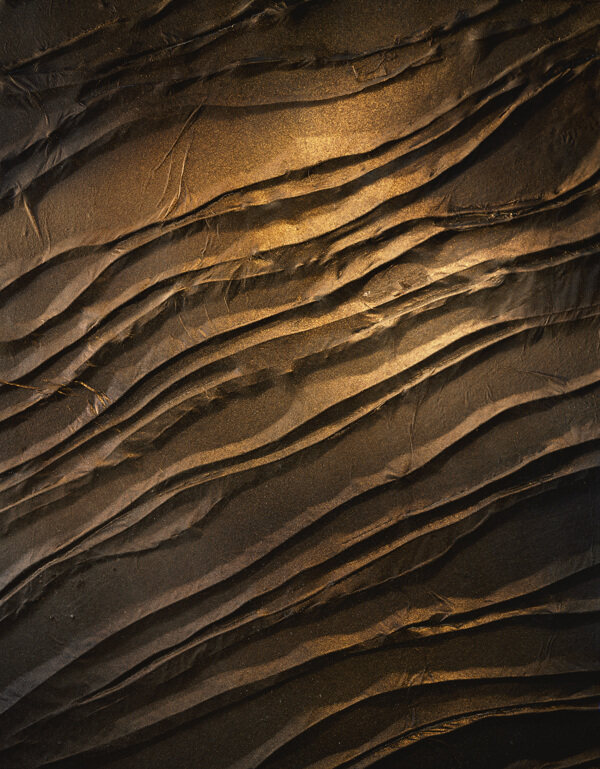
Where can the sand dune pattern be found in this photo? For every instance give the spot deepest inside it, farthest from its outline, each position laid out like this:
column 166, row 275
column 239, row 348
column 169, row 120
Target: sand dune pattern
column 300, row 384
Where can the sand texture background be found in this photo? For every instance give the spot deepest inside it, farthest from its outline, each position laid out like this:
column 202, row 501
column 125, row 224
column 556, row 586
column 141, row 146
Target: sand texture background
column 299, row 384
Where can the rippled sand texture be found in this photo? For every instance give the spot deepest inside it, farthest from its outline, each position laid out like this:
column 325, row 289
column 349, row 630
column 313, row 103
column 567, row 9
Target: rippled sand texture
column 300, row 367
